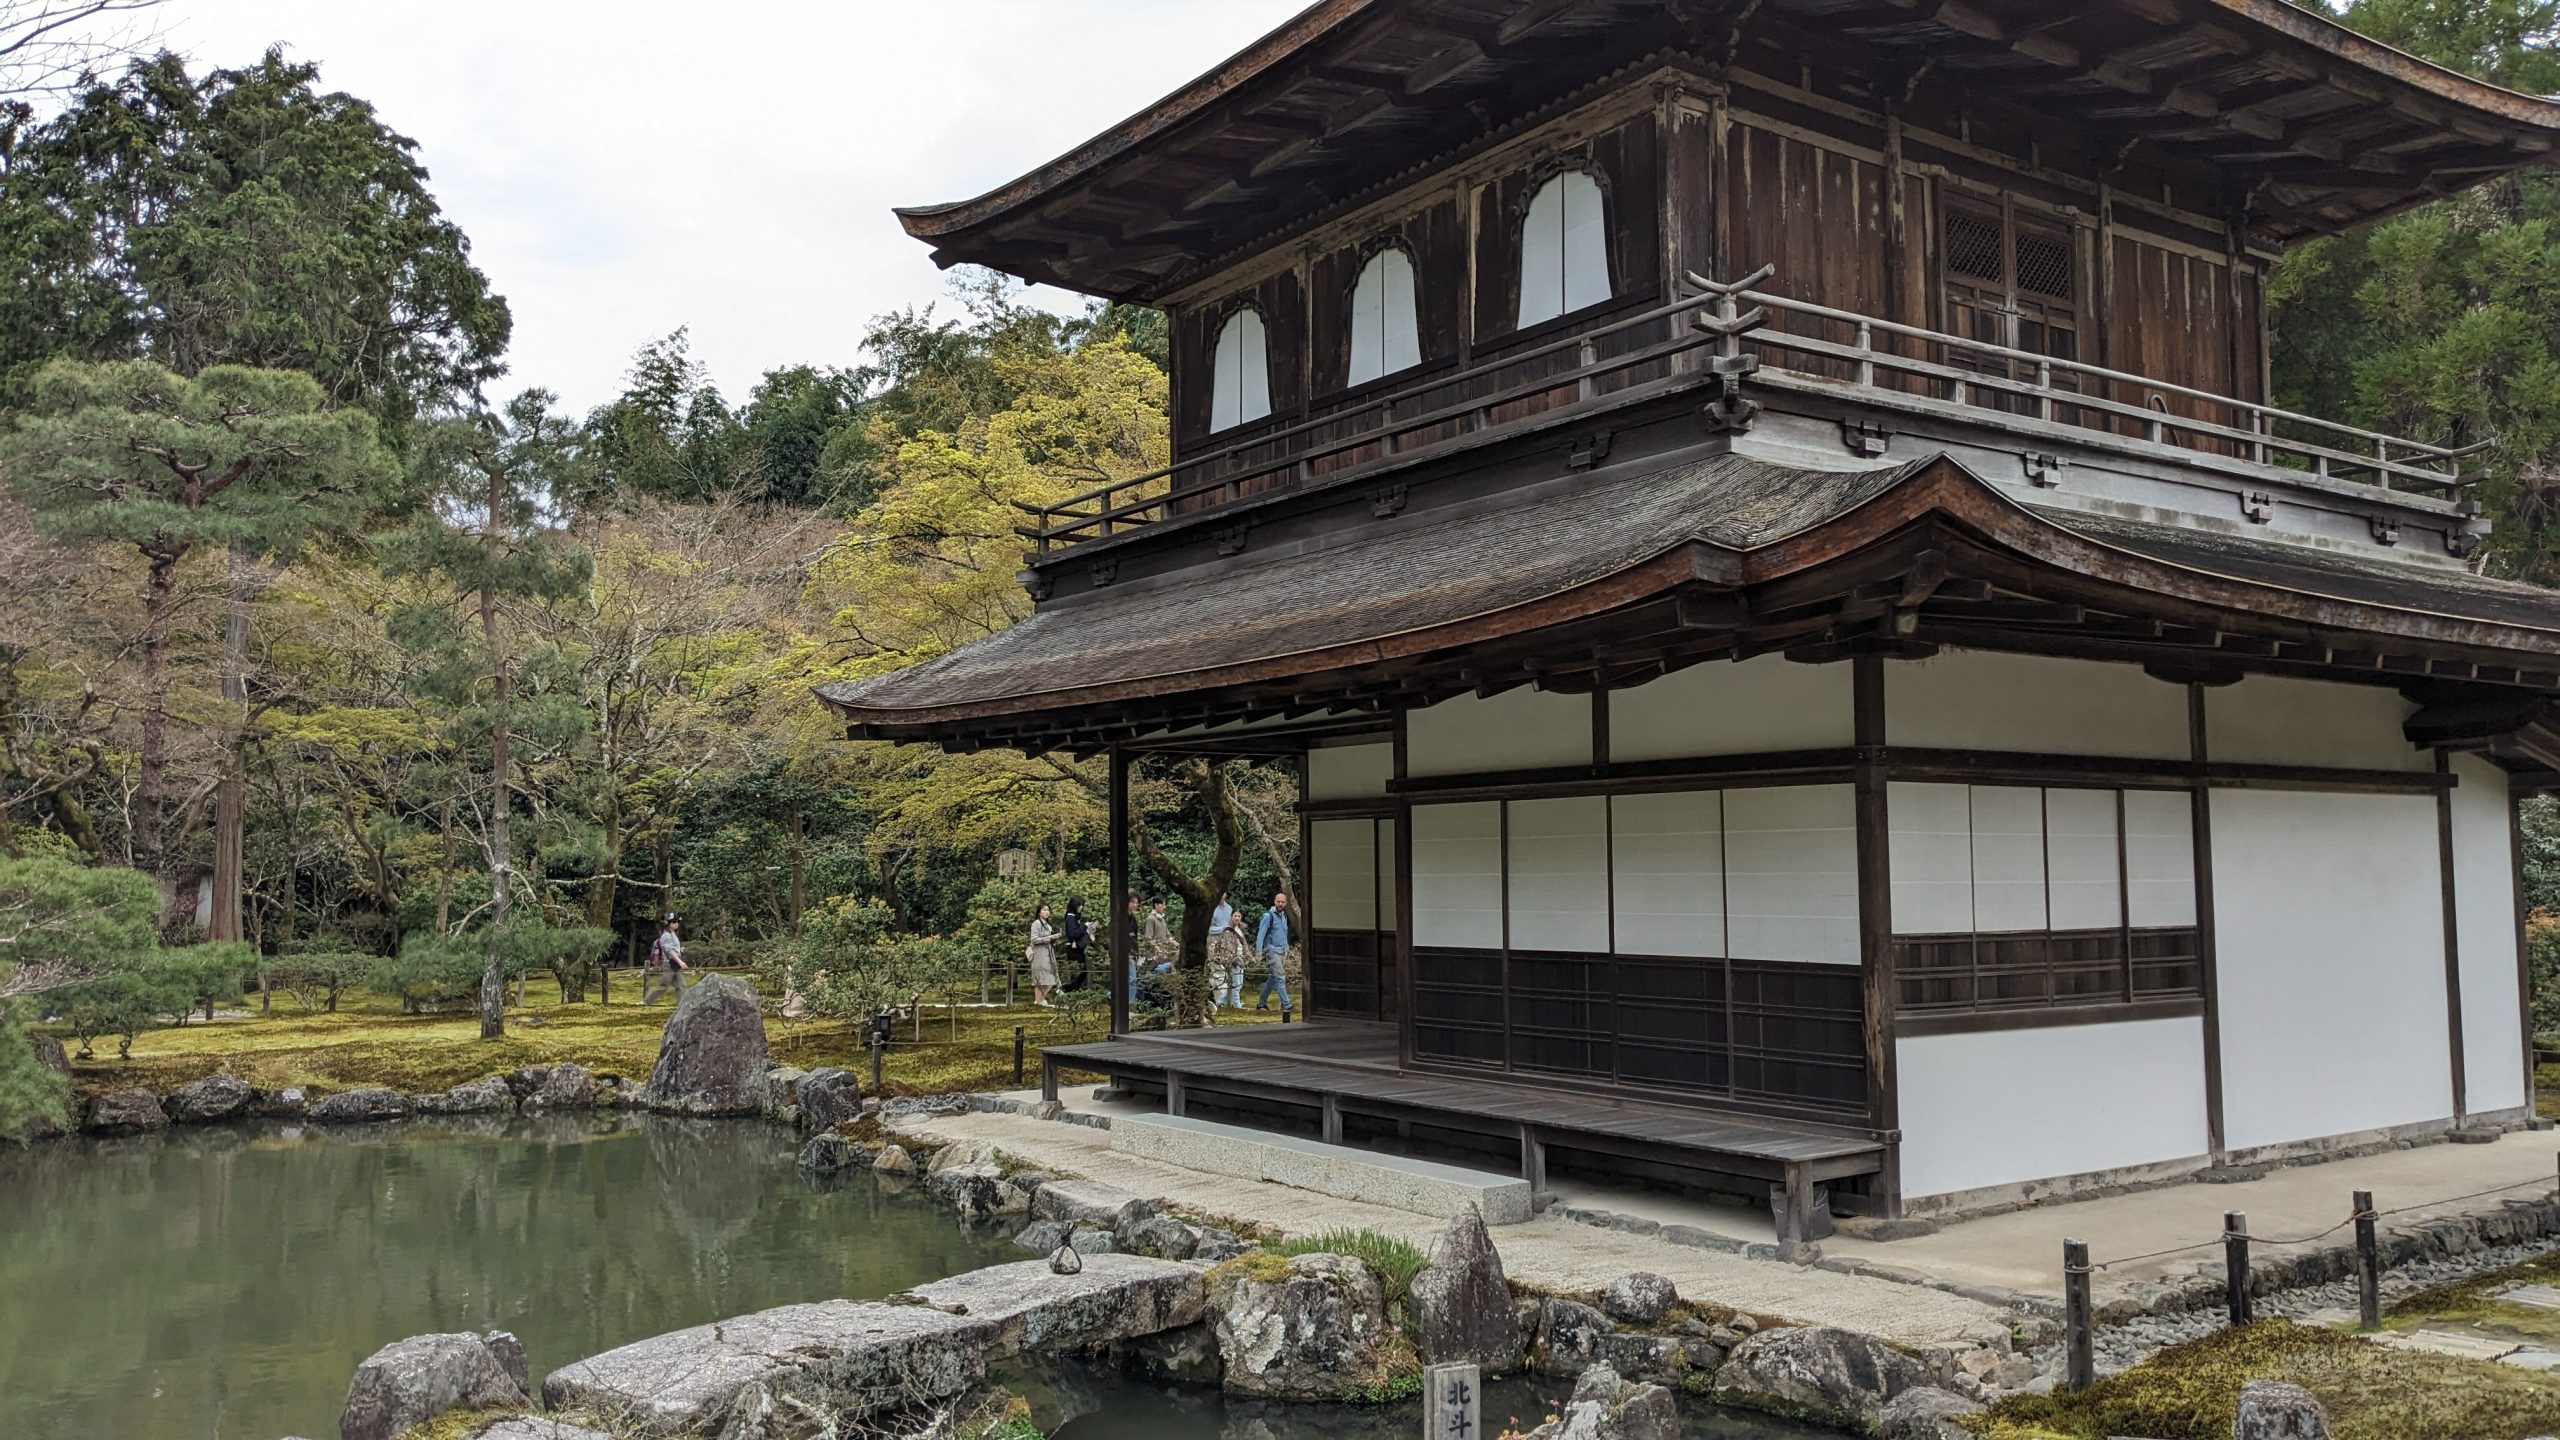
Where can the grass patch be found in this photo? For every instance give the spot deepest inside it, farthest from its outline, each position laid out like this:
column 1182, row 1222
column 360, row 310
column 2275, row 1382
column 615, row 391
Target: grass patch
column 2474, row 1303
column 2190, row 1392
column 368, row 1041
column 1396, row 1261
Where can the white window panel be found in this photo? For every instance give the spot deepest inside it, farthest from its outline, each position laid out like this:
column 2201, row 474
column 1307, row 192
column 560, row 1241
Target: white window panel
column 1932, row 858
column 1791, row 873
column 2160, row 857
column 1240, row 372
column 1560, row 874
column 1668, row 852
column 1386, row 332
column 2008, row 859
column 2081, row 851
column 1457, row 875
column 1344, row 873
column 1564, row 249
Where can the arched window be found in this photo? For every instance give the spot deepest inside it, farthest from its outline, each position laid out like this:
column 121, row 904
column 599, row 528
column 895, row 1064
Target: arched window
column 1564, row 249
column 1240, row 372
column 1386, row 328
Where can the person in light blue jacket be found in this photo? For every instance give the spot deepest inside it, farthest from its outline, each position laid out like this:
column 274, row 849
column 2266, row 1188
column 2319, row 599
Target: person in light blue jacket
column 1271, row 941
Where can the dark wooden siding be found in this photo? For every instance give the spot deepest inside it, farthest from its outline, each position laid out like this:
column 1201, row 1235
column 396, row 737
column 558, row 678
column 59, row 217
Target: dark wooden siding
column 1627, row 161
column 1436, row 238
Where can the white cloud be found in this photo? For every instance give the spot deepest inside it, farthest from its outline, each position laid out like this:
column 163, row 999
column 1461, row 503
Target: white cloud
column 626, row 168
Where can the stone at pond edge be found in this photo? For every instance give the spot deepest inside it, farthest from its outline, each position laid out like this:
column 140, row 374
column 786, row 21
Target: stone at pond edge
column 1312, row 1329
column 125, row 1112
column 829, row 1153
column 713, row 1057
column 1605, row 1406
column 1820, row 1373
column 1042, row 1236
column 1159, row 1235
column 829, row 1097
column 2274, row 1410
column 488, row 1095
column 1460, row 1303
column 354, row 1106
column 410, row 1382
column 1216, row 1245
column 289, row 1103
column 1572, row 1337
column 894, row 1160
column 1639, row 1297
column 215, row 1097
column 565, row 1086
column 1188, row 1356
column 1927, row 1413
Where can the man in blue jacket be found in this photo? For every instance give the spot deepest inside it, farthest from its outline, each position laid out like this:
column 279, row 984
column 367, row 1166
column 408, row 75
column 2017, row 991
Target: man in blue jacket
column 1271, row 940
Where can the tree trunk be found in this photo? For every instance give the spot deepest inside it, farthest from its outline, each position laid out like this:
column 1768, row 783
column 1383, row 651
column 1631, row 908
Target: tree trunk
column 151, row 781
column 444, row 884
column 799, row 869
column 493, row 974
column 231, row 797
column 1199, row 894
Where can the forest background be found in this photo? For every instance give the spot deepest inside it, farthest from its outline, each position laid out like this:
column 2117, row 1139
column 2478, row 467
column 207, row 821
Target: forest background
column 333, row 654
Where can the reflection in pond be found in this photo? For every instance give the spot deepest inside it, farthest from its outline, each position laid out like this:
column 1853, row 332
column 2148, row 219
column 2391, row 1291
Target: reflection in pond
column 223, row 1283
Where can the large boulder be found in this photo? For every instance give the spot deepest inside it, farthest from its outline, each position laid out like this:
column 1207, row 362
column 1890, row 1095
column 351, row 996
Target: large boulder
column 410, row 1382
column 713, row 1058
column 829, row 1097
column 351, row 1107
column 1639, row 1297
column 215, row 1097
column 1606, row 1406
column 1820, row 1373
column 829, row 1153
column 1460, row 1303
column 1573, row 1337
column 2274, row 1410
column 1309, row 1328
column 565, row 1086
column 1927, row 1413
column 125, row 1112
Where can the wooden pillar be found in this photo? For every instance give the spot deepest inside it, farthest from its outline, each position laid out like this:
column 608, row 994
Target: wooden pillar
column 1330, row 1121
column 1123, row 946
column 2200, row 792
column 1877, row 985
column 2452, row 937
column 1404, row 900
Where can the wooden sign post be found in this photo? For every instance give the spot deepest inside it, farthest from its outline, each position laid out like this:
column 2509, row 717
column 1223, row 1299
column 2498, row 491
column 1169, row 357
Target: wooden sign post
column 1452, row 1403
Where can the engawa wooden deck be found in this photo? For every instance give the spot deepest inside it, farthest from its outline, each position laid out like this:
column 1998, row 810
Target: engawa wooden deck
column 1346, row 1068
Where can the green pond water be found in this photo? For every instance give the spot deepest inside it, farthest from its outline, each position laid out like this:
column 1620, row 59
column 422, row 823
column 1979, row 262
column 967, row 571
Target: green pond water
column 222, row 1284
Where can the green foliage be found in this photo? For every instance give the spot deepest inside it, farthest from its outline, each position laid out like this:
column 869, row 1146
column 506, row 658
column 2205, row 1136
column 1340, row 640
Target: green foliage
column 998, row 922
column 31, row 1092
column 429, row 970
column 316, row 979
column 241, row 217
column 1396, row 1261
column 850, row 962
column 61, row 922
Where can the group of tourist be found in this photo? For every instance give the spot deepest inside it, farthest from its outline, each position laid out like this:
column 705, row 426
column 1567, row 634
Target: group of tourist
column 1231, row 953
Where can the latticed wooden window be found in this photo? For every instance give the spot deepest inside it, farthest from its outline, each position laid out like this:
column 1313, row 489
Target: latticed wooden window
column 2012, row 281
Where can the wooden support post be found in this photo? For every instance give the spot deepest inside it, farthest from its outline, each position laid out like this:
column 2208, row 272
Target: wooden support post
column 1048, row 1076
column 2368, row 1265
column 1533, row 1162
column 1175, row 1102
column 2079, row 1323
column 875, row 1060
column 2235, row 1264
column 1123, row 945
column 1017, row 1056
column 1879, row 992
column 1331, row 1123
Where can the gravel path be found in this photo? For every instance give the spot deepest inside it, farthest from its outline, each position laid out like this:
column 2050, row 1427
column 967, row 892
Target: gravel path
column 1548, row 1252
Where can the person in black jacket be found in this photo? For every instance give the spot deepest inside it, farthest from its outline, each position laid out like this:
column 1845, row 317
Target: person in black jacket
column 1072, row 944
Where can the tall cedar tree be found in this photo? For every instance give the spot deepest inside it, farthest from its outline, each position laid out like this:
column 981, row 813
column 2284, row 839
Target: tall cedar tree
column 127, row 453
column 495, row 476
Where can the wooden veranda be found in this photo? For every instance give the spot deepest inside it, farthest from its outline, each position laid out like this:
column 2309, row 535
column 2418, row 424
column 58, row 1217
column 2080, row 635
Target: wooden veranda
column 1326, row 1074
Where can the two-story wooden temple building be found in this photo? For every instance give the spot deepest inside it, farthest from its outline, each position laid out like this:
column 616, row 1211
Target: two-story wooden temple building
column 1814, row 661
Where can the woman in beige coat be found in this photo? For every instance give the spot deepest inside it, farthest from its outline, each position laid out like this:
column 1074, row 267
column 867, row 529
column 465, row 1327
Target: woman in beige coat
column 1042, row 952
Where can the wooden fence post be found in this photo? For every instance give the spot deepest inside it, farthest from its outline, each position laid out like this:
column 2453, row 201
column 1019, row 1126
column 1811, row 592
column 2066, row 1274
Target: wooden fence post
column 1017, row 1057
column 875, row 1060
column 2368, row 1265
column 2080, row 1369
column 2235, row 1264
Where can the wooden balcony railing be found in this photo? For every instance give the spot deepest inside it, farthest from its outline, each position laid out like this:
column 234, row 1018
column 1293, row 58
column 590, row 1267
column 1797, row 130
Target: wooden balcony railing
column 1706, row 337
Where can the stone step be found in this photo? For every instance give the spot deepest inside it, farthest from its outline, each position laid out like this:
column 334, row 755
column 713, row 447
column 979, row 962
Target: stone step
column 1422, row 1186
column 847, row 1359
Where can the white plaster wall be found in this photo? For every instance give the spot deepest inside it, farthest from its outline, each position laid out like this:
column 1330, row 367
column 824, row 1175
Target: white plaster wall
column 1350, row 772
column 1560, row 874
column 1520, row 729
column 1668, row 854
column 1723, row 708
column 2329, row 957
column 2484, row 914
column 1457, row 875
column 1932, row 858
column 1791, row 873
column 1344, row 878
column 1981, row 700
column 2003, row 1106
column 2271, row 720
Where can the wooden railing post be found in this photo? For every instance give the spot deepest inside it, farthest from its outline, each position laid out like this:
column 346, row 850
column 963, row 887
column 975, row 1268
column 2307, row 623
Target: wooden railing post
column 2235, row 1265
column 2080, row 1369
column 1017, row 1057
column 2368, row 1265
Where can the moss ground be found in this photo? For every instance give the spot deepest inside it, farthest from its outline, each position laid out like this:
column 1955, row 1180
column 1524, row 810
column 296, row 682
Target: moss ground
column 2190, row 1391
column 2473, row 1304
column 369, row 1042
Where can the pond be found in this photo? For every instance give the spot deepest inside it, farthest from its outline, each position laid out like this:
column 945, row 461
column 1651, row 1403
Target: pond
column 222, row 1284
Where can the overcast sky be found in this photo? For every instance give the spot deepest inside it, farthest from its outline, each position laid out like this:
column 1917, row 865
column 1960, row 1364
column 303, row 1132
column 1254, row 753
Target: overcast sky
column 624, row 167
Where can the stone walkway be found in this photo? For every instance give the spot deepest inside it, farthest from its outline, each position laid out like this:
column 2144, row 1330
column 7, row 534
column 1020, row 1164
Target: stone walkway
column 1550, row 1253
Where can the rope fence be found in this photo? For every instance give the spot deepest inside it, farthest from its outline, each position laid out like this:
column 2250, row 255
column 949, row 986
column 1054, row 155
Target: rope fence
column 2235, row 1241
